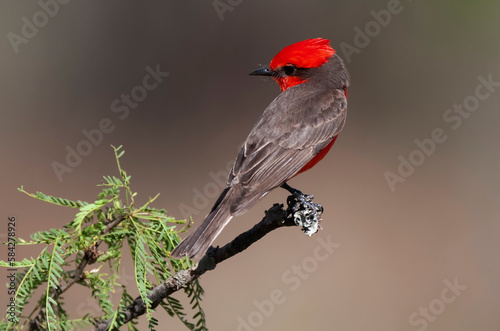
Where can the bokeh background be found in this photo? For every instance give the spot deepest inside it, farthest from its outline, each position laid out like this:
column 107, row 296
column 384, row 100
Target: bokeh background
column 397, row 248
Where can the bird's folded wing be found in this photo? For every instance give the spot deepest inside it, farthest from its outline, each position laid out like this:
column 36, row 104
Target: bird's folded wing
column 287, row 136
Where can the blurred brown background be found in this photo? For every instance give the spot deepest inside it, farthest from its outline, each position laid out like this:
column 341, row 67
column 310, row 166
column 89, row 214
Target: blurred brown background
column 399, row 250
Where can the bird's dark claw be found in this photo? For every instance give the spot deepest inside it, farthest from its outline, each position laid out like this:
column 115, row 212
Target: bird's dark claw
column 306, row 214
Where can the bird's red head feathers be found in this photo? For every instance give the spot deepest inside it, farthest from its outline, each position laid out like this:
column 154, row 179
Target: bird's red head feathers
column 308, row 53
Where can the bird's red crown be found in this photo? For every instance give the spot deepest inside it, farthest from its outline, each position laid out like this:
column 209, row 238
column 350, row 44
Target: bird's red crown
column 308, row 53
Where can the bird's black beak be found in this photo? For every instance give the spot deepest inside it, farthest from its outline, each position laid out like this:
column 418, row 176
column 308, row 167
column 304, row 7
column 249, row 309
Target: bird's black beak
column 262, row 72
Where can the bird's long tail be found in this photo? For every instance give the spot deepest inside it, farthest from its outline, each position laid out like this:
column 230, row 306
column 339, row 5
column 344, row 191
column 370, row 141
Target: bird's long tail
column 196, row 244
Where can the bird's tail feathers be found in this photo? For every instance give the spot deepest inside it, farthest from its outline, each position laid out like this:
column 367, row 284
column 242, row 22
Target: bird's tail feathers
column 196, row 244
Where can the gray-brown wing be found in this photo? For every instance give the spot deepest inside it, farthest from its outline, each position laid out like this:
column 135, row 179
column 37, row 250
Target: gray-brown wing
column 290, row 132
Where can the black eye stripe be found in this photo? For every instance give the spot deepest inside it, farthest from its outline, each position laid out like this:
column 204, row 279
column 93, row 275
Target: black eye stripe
column 292, row 70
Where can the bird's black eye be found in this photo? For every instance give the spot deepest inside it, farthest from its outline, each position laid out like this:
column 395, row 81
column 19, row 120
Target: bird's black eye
column 289, row 69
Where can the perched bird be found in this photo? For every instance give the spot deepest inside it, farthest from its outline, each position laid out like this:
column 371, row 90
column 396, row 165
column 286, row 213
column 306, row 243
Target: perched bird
column 294, row 133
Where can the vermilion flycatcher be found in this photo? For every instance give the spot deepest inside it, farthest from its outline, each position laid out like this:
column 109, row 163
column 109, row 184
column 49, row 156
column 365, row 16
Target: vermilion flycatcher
column 293, row 134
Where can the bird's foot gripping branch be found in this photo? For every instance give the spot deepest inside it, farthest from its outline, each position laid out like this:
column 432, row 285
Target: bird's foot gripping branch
column 306, row 214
